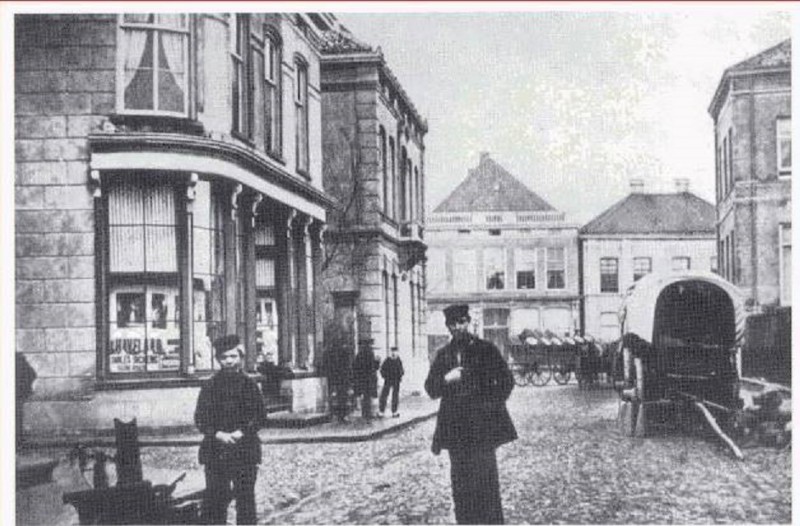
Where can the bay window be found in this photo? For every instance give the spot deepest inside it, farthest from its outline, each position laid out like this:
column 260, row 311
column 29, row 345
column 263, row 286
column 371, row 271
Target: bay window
column 152, row 65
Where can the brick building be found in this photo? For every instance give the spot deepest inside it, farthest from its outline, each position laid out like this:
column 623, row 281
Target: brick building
column 752, row 112
column 505, row 251
column 168, row 180
column 374, row 168
column 642, row 233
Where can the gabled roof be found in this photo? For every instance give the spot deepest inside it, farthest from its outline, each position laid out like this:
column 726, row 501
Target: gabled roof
column 778, row 57
column 639, row 213
column 774, row 57
column 490, row 188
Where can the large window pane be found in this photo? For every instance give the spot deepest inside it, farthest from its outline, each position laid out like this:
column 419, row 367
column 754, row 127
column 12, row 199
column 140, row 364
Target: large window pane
column 144, row 328
column 494, row 262
column 609, row 275
column 784, row 144
column 525, row 261
column 556, row 268
column 464, row 270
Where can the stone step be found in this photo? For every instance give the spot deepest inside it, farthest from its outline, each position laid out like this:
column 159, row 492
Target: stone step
column 289, row 419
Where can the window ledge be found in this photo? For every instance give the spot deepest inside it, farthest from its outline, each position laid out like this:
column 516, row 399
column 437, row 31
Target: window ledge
column 156, row 123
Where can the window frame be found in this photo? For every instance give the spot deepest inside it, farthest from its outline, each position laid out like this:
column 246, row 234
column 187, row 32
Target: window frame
column 302, row 134
column 784, row 242
column 675, row 259
column 604, row 272
column 189, row 72
column 272, row 83
column 518, row 256
column 649, row 261
column 503, row 268
column 783, row 134
column 242, row 115
column 548, row 269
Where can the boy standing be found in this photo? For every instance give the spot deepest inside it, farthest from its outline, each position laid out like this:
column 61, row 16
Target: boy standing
column 392, row 373
column 229, row 412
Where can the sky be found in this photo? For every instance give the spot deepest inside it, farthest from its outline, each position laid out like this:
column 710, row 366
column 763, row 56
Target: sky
column 573, row 103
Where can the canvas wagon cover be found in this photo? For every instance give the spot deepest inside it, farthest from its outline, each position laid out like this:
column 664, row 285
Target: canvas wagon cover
column 639, row 306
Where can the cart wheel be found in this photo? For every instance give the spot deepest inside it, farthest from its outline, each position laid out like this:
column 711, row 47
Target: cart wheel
column 561, row 375
column 539, row 376
column 520, row 377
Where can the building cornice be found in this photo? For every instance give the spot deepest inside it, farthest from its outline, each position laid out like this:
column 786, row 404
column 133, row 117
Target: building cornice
column 727, row 77
column 231, row 152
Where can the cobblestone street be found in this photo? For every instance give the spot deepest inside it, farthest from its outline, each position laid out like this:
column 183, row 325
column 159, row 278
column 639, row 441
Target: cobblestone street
column 570, row 465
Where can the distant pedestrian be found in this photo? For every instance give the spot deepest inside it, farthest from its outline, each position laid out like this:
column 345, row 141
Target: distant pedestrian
column 392, row 372
column 365, row 376
column 474, row 382
column 229, row 412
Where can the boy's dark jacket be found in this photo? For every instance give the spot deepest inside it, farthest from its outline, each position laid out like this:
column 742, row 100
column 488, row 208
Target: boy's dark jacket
column 472, row 412
column 392, row 370
column 229, row 401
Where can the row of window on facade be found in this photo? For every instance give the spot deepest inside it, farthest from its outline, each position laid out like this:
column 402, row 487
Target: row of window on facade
column 783, row 156
column 402, row 190
column 149, row 247
column 495, row 264
column 609, row 269
column 154, row 68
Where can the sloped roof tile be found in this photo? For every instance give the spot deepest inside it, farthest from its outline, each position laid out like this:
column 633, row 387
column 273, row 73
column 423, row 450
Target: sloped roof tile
column 777, row 56
column 490, row 188
column 678, row 213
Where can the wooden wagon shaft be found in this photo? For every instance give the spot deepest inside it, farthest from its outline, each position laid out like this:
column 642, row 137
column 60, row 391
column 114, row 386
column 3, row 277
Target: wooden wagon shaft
column 689, row 376
column 695, row 398
column 713, row 423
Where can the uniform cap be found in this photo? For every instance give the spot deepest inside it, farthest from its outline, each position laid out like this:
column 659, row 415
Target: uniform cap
column 455, row 313
column 226, row 343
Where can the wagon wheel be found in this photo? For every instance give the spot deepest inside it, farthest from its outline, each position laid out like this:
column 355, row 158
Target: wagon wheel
column 538, row 375
column 562, row 374
column 636, row 421
column 519, row 374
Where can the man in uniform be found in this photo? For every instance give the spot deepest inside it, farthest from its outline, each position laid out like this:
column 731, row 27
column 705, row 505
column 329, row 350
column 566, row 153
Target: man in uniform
column 474, row 382
column 229, row 412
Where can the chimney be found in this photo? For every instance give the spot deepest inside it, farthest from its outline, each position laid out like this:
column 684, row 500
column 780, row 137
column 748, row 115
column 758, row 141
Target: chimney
column 681, row 185
column 637, row 186
column 484, row 156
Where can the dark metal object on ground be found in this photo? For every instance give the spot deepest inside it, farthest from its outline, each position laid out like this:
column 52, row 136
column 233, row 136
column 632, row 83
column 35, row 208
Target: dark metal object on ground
column 132, row 500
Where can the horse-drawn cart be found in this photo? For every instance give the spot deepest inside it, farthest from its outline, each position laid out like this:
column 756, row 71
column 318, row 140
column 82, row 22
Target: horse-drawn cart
column 681, row 337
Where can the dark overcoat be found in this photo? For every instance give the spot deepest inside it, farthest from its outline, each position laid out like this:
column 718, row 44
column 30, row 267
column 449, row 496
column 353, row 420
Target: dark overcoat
column 472, row 413
column 229, row 401
column 392, row 370
column 365, row 373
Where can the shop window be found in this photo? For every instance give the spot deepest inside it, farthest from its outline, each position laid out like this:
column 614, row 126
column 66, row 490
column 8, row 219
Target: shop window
column 526, row 268
column 495, row 268
column 641, row 267
column 556, row 268
column 152, row 63
column 144, row 317
column 209, row 271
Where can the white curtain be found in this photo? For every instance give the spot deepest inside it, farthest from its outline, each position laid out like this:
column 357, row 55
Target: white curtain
column 134, row 42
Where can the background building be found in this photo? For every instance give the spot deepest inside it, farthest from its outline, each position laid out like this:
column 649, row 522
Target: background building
column 752, row 112
column 640, row 234
column 168, row 181
column 505, row 251
column 374, row 168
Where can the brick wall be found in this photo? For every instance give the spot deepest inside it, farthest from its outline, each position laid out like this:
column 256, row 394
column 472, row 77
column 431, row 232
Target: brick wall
column 64, row 85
